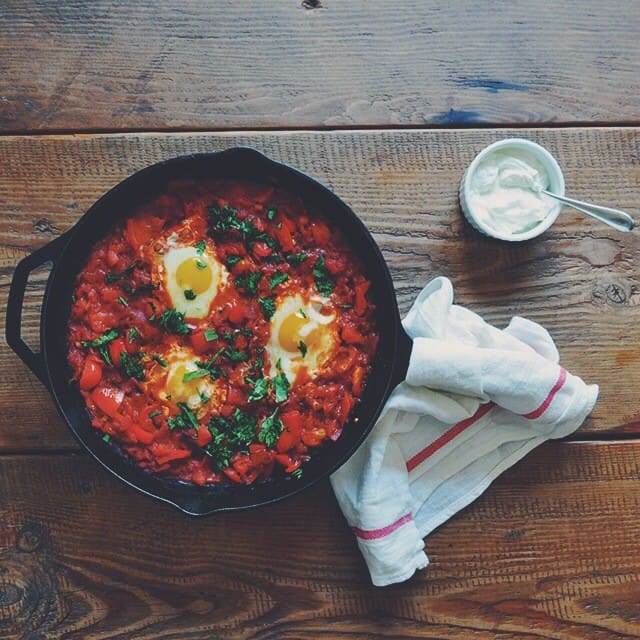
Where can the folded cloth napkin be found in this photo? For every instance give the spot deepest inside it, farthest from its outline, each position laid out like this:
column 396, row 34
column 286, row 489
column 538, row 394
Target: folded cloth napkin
column 476, row 399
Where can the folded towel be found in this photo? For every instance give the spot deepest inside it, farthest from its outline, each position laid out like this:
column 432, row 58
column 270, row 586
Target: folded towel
column 476, row 399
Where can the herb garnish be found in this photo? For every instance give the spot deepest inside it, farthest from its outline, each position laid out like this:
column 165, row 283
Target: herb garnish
column 131, row 365
column 233, row 260
column 297, row 473
column 210, row 335
column 101, row 344
column 249, row 281
column 161, row 361
column 153, row 414
column 186, row 419
column 106, row 437
column 238, row 430
column 172, row 321
column 200, row 247
column 277, row 278
column 296, row 259
column 133, row 334
column 122, row 301
column 270, row 429
column 268, row 306
column 112, row 277
column 189, row 294
column 324, row 285
column 226, row 219
column 194, row 375
column 281, row 384
column 303, row 348
column 260, row 389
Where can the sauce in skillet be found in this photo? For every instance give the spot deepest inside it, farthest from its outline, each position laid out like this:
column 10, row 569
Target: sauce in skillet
column 222, row 332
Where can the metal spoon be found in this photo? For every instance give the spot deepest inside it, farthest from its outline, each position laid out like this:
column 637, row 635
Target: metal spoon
column 613, row 217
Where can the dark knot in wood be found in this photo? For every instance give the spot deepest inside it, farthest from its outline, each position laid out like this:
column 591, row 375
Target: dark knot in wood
column 31, row 537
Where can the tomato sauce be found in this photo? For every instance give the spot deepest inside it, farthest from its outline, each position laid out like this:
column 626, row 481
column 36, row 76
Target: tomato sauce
column 200, row 398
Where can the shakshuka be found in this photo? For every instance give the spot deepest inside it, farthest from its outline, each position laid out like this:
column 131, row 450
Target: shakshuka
column 221, row 332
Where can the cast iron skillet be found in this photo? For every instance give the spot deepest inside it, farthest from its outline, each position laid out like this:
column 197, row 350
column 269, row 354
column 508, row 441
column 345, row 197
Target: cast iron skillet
column 68, row 254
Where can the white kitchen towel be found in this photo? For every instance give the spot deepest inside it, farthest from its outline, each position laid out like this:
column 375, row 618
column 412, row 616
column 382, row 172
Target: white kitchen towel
column 476, row 399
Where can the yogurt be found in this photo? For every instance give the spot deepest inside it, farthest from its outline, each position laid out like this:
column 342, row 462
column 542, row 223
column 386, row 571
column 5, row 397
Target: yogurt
column 505, row 192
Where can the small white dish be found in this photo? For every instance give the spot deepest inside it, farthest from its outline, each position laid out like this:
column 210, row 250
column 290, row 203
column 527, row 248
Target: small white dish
column 556, row 185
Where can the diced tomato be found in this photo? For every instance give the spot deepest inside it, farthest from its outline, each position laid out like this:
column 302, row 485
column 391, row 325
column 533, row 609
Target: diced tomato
column 169, row 453
column 292, row 421
column 204, row 436
column 116, row 347
column 360, row 305
column 261, row 250
column 199, row 342
column 199, row 477
column 91, row 373
column 351, row 335
column 146, row 437
column 356, row 380
column 284, row 238
column 141, row 230
column 286, row 441
column 112, row 258
column 236, row 396
column 232, row 474
column 321, row 233
column 236, row 312
column 108, row 400
column 313, row 437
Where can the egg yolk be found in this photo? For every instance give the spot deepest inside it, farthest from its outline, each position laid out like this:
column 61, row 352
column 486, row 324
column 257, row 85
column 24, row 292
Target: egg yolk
column 191, row 274
column 180, row 390
column 289, row 334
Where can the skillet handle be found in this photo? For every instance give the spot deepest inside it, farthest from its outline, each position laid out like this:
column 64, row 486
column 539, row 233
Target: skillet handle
column 34, row 360
column 401, row 360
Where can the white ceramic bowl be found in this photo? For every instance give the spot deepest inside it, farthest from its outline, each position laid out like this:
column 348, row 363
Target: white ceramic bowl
column 556, row 185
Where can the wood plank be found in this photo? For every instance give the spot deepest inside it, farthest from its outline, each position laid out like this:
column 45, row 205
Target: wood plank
column 551, row 550
column 580, row 280
column 110, row 64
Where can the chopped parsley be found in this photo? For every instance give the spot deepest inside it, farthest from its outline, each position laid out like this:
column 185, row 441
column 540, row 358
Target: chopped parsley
column 270, row 429
column 112, row 277
column 210, row 335
column 209, row 366
column 185, row 420
column 133, row 334
column 226, row 219
column 127, row 288
column 277, row 278
column 172, row 321
column 233, row 260
column 238, row 430
column 189, row 294
column 281, row 384
column 200, row 247
column 236, row 356
column 249, row 281
column 204, row 397
column 297, row 473
column 218, row 451
column 106, row 437
column 153, row 414
column 320, row 274
column 161, row 361
column 194, row 375
column 260, row 389
column 296, row 259
column 302, row 313
column 268, row 306
column 271, row 214
column 303, row 348
column 201, row 264
column 122, row 301
column 101, row 344
column 131, row 365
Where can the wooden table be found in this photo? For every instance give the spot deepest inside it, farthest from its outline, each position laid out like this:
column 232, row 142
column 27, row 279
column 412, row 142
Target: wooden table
column 387, row 103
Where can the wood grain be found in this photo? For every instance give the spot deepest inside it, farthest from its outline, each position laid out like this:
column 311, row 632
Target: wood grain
column 580, row 280
column 549, row 551
column 109, row 64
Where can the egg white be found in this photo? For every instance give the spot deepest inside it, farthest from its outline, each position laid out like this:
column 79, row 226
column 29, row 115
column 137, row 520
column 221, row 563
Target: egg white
column 182, row 270
column 298, row 320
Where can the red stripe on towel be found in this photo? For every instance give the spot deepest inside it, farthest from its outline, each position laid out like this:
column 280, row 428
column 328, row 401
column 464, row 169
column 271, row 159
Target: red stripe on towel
column 547, row 401
column 374, row 534
column 447, row 436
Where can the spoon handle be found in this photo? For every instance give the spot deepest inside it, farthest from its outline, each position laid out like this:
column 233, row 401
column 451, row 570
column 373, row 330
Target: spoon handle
column 613, row 217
